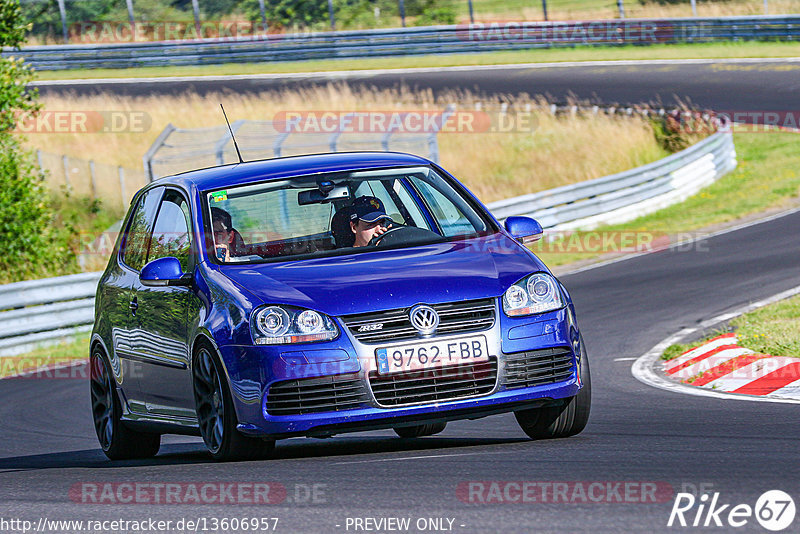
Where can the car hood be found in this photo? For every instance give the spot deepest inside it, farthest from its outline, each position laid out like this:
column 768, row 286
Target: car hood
column 386, row 279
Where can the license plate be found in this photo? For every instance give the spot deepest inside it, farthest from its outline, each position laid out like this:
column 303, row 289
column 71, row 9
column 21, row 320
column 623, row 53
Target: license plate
column 432, row 354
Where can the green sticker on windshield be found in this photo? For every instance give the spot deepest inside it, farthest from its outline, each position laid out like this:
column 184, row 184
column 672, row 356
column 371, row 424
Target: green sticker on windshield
column 219, row 196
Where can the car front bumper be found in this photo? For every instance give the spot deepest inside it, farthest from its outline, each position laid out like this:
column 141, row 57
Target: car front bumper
column 256, row 372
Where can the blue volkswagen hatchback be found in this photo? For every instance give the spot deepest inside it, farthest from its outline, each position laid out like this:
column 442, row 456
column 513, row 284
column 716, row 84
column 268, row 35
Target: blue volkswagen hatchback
column 322, row 294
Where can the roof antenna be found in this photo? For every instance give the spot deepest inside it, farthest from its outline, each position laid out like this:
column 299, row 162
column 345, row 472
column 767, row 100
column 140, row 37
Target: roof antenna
column 232, row 137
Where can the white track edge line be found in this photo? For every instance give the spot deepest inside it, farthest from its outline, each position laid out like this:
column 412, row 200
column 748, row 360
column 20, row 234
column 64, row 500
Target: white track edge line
column 643, row 368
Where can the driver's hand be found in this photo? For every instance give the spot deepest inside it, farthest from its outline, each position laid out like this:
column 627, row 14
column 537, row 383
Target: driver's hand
column 382, row 229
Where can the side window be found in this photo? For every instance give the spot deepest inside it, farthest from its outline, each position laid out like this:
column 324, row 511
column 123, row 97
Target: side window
column 450, row 218
column 138, row 234
column 171, row 236
column 417, row 219
column 375, row 188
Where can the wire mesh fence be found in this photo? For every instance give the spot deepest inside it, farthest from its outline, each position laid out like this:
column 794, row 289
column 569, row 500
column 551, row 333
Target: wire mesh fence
column 113, row 184
column 179, row 150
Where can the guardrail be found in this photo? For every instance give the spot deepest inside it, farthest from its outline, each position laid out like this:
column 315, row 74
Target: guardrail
column 43, row 311
column 410, row 41
column 46, row 310
column 624, row 196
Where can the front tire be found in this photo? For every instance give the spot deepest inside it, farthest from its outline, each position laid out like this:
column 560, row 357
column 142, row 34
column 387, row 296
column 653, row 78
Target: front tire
column 565, row 420
column 419, row 431
column 217, row 416
column 117, row 441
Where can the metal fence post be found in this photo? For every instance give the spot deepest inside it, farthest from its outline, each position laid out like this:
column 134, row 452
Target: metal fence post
column 402, row 6
column 621, row 8
column 65, row 164
column 263, row 11
column 196, row 11
column 93, row 178
column 39, row 159
column 544, row 9
column 433, row 137
column 63, row 12
column 279, row 140
column 333, row 140
column 123, row 196
column 147, row 159
column 330, row 14
column 694, row 7
column 472, row 14
column 129, row 4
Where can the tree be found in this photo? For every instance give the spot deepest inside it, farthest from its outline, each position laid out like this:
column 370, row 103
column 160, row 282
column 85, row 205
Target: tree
column 45, row 17
column 29, row 242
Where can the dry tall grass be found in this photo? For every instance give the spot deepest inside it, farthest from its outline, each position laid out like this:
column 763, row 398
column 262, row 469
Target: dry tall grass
column 558, row 151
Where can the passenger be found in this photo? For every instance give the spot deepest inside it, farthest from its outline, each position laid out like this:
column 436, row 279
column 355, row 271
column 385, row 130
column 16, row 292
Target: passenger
column 368, row 219
column 340, row 228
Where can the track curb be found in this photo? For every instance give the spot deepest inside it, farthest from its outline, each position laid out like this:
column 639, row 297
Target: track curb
column 648, row 367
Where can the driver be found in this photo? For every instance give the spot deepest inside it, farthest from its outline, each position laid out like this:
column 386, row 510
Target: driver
column 368, row 219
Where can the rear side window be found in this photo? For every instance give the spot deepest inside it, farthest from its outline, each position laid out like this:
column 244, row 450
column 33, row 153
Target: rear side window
column 171, row 235
column 138, row 235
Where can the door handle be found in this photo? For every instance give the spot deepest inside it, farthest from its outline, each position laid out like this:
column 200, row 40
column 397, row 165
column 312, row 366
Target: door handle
column 134, row 305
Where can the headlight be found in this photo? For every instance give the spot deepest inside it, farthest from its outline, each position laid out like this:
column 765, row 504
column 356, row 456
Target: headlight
column 279, row 325
column 537, row 293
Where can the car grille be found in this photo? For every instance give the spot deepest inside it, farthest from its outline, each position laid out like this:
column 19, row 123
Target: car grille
column 537, row 367
column 454, row 317
column 313, row 395
column 431, row 385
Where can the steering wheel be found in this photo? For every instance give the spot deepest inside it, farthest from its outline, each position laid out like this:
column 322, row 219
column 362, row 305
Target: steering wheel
column 403, row 235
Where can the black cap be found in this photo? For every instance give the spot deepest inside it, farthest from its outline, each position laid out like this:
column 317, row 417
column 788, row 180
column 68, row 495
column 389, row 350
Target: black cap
column 368, row 209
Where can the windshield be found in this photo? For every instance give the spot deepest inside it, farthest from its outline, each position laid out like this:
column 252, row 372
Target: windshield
column 352, row 212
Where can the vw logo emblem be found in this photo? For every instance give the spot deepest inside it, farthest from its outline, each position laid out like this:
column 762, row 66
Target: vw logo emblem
column 424, row 319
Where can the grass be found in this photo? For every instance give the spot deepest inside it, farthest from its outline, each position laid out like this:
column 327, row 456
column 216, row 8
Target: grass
column 678, row 51
column 75, row 348
column 769, row 330
column 767, row 176
column 543, row 153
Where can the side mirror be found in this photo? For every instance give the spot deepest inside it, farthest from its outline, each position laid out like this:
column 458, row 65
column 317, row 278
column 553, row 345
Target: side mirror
column 164, row 272
column 524, row 229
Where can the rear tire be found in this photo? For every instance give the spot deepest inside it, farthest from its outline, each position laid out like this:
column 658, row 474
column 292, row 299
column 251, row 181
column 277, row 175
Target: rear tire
column 419, row 431
column 117, row 441
column 217, row 416
column 565, row 420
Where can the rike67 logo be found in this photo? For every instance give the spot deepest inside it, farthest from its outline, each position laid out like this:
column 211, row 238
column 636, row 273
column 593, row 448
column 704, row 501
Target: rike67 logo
column 774, row 510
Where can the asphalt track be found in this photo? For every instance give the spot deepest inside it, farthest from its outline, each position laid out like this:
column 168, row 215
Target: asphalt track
column 636, row 433
column 723, row 85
